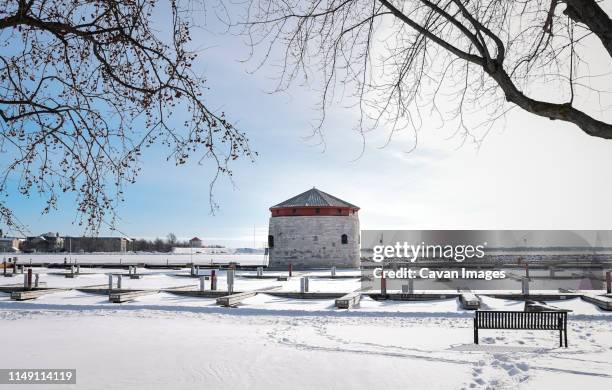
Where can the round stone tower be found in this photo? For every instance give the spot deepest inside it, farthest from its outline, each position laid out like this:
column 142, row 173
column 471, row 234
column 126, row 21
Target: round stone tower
column 314, row 230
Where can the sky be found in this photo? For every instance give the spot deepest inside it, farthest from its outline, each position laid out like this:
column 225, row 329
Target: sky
column 529, row 173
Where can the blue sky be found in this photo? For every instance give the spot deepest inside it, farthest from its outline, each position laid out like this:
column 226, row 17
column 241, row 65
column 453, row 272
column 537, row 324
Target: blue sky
column 530, row 173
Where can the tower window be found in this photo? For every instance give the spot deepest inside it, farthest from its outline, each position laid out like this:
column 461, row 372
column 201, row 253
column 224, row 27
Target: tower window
column 270, row 241
column 318, row 211
column 344, row 239
column 294, row 211
column 339, row 211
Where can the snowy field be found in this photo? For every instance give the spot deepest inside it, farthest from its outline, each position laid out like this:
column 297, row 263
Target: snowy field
column 238, row 349
column 166, row 341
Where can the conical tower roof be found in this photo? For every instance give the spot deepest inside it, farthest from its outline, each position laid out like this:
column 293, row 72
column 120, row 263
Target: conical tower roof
column 314, row 198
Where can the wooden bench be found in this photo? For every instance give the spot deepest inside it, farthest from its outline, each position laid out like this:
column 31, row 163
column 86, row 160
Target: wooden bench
column 520, row 320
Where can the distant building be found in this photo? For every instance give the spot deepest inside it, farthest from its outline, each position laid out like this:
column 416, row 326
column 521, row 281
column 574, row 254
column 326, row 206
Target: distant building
column 95, row 244
column 195, row 242
column 47, row 242
column 9, row 244
column 314, row 230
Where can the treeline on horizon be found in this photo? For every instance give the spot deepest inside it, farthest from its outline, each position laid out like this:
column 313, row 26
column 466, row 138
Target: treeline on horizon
column 160, row 244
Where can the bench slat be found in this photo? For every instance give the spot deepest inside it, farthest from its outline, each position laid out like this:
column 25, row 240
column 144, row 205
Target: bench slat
column 519, row 320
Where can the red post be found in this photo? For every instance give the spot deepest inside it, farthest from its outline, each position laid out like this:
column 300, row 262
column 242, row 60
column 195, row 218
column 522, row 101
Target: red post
column 527, row 270
column 4, row 264
column 29, row 277
column 290, row 269
column 383, row 285
column 609, row 282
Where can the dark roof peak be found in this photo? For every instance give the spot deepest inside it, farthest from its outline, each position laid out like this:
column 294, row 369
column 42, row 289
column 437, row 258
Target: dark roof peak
column 314, row 198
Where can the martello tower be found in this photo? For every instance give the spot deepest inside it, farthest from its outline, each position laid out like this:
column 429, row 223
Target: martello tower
column 314, row 229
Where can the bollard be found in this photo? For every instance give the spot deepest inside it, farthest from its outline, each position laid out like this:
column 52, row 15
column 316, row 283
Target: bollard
column 333, row 271
column 36, row 280
column 527, row 270
column 4, row 267
column 110, row 282
column 259, row 272
column 29, row 277
column 304, row 284
column 21, row 269
column 72, row 269
column 552, row 272
column 14, row 269
column 609, row 282
column 408, row 288
column 25, row 281
column 118, row 282
column 202, row 279
column 525, row 286
column 213, row 280
column 130, row 270
column 197, row 270
column 230, row 280
column 383, row 286
column 78, row 268
column 290, row 269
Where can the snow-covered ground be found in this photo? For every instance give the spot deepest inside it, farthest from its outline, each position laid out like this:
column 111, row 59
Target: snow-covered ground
column 163, row 349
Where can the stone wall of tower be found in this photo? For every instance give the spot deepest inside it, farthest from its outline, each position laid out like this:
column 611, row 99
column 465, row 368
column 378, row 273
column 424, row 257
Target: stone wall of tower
column 314, row 242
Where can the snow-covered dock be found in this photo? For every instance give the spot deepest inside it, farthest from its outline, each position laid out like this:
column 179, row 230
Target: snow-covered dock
column 157, row 287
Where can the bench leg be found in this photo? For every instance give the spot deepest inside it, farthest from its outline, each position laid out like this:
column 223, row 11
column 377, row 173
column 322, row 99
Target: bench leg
column 475, row 332
column 565, row 337
column 560, row 337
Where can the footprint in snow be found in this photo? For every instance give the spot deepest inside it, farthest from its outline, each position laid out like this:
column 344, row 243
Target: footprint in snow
column 523, row 366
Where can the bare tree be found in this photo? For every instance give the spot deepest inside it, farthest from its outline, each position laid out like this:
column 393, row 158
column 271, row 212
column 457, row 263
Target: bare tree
column 85, row 86
column 403, row 61
column 171, row 240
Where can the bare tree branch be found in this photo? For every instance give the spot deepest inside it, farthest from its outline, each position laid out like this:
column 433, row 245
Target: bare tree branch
column 85, row 87
column 415, row 55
